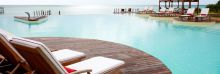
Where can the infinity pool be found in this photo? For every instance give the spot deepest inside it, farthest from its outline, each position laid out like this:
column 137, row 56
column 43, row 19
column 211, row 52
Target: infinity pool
column 184, row 49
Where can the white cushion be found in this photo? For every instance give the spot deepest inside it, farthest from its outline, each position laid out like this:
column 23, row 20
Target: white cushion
column 99, row 65
column 67, row 54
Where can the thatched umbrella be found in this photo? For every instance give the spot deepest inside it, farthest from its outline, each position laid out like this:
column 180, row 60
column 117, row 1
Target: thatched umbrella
column 178, row 5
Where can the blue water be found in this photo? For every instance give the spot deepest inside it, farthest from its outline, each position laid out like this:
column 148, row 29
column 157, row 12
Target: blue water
column 184, row 49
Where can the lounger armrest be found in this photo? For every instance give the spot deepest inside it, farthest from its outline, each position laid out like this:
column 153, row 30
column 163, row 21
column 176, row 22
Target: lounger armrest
column 88, row 71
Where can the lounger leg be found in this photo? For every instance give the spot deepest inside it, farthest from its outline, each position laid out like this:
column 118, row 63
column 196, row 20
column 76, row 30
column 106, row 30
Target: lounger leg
column 2, row 60
column 31, row 72
column 16, row 68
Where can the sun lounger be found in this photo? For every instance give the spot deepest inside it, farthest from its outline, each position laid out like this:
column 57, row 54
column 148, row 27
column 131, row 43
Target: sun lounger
column 147, row 10
column 190, row 11
column 189, row 15
column 203, row 15
column 204, row 12
column 165, row 13
column 144, row 11
column 8, row 51
column 162, row 12
column 43, row 62
column 69, row 57
column 170, row 12
column 150, row 10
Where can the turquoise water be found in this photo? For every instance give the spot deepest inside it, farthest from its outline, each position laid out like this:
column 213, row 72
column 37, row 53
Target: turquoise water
column 184, row 49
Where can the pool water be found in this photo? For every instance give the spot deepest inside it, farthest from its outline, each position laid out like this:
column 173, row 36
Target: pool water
column 184, row 49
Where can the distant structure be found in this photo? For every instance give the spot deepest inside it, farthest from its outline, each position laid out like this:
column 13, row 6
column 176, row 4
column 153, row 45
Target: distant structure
column 170, row 4
column 59, row 13
column 125, row 10
column 1, row 10
column 38, row 16
column 42, row 13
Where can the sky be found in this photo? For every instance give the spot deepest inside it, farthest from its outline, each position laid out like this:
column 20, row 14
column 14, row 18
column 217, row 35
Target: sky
column 89, row 2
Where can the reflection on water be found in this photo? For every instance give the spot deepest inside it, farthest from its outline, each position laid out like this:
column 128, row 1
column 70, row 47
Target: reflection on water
column 194, row 28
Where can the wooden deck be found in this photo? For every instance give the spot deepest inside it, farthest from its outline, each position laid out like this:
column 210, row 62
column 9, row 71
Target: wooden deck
column 217, row 19
column 137, row 62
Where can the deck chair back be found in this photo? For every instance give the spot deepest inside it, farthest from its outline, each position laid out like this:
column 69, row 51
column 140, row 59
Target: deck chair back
column 163, row 9
column 7, row 50
column 151, row 8
column 171, row 10
column 146, row 8
column 204, row 11
column 190, row 11
column 38, row 56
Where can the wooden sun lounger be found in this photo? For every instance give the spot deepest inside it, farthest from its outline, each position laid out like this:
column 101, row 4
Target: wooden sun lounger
column 147, row 10
column 165, row 13
column 171, row 13
column 8, row 51
column 203, row 16
column 162, row 12
column 43, row 62
column 189, row 15
column 150, row 10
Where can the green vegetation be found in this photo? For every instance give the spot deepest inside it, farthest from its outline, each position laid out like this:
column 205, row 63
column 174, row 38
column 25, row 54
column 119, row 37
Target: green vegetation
column 214, row 8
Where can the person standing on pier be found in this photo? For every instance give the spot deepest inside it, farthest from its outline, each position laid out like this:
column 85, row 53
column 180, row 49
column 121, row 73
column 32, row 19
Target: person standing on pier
column 59, row 13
